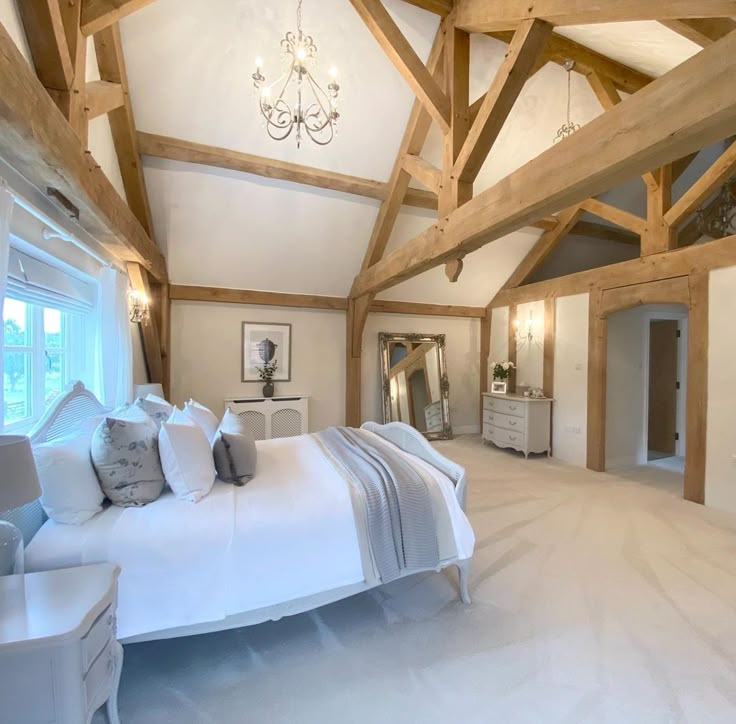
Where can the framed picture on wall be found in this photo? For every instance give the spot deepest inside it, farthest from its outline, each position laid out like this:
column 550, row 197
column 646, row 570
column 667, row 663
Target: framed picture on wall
column 264, row 343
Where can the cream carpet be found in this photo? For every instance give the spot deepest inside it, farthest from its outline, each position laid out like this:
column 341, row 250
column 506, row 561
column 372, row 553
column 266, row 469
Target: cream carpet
column 596, row 599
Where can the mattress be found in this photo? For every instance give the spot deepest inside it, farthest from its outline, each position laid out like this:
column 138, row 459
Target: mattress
column 289, row 533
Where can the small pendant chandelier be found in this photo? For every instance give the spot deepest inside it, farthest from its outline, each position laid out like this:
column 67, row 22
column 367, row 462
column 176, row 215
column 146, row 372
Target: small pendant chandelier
column 718, row 220
column 314, row 110
column 568, row 128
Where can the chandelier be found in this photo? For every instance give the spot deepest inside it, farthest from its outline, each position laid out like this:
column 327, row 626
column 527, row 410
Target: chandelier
column 568, row 128
column 719, row 218
column 314, row 110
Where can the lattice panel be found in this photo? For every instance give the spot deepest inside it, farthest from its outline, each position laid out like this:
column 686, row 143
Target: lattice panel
column 286, row 423
column 255, row 423
column 72, row 414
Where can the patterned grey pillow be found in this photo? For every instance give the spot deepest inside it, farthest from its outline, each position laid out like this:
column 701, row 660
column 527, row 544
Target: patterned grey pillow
column 238, row 462
column 158, row 411
column 234, row 450
column 124, row 452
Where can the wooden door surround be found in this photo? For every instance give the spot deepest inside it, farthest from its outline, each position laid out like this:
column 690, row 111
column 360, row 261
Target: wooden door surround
column 692, row 291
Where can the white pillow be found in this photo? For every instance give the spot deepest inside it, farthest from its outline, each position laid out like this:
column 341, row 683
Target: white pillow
column 71, row 490
column 180, row 418
column 204, row 417
column 159, row 400
column 186, row 457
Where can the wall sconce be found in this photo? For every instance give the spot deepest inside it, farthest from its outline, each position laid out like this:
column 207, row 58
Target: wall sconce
column 525, row 329
column 138, row 310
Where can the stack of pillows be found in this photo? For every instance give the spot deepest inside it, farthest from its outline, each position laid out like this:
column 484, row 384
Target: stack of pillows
column 129, row 455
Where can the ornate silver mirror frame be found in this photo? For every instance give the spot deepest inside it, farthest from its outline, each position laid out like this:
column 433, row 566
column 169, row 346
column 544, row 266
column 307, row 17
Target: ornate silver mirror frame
column 385, row 340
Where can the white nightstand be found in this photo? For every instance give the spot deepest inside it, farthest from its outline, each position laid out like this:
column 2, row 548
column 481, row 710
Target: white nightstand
column 59, row 658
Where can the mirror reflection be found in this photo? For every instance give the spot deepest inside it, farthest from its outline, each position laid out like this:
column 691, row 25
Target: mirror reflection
column 414, row 379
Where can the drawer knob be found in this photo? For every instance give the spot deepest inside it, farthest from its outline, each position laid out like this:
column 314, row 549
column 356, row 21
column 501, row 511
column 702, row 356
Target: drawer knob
column 512, row 437
column 512, row 407
column 512, row 423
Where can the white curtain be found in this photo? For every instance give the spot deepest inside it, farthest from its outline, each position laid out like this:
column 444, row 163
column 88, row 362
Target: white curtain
column 115, row 367
column 7, row 201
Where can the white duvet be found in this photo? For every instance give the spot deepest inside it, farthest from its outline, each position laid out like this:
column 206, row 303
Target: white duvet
column 287, row 534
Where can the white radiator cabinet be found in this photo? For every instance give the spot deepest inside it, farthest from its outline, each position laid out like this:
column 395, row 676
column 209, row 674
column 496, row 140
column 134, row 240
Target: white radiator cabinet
column 517, row 422
column 272, row 417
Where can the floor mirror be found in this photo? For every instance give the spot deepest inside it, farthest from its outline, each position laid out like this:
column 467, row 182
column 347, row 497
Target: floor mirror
column 414, row 382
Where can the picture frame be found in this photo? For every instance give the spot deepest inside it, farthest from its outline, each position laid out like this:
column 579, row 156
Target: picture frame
column 262, row 340
column 498, row 387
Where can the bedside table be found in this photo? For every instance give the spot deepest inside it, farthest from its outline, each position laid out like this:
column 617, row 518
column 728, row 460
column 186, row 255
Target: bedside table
column 59, row 658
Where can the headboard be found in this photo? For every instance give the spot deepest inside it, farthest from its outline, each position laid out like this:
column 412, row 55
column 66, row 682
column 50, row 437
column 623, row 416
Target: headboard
column 66, row 414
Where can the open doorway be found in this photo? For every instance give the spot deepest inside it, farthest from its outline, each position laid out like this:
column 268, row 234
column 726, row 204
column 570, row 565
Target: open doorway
column 646, row 394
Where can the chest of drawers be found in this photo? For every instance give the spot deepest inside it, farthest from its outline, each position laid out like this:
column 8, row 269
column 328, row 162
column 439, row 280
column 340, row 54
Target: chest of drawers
column 517, row 422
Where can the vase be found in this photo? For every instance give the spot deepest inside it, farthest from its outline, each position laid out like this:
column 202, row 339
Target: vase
column 268, row 389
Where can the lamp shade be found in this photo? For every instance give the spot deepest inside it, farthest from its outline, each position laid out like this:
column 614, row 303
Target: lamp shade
column 18, row 475
column 153, row 388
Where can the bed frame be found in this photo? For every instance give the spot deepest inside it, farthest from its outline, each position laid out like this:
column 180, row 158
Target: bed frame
column 78, row 404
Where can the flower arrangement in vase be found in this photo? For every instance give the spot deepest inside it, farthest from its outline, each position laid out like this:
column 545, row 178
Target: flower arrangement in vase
column 266, row 373
column 501, row 374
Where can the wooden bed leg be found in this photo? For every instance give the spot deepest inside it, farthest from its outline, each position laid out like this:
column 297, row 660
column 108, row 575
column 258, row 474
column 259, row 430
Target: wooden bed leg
column 463, row 569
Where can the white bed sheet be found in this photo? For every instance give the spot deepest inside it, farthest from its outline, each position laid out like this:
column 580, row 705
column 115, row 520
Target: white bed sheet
column 287, row 534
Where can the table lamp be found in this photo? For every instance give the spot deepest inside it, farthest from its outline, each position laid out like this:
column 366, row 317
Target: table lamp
column 18, row 485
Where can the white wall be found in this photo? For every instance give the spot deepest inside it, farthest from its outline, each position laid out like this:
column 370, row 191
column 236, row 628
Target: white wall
column 530, row 354
column 570, row 410
column 720, row 471
column 206, row 356
column 499, row 347
column 462, row 351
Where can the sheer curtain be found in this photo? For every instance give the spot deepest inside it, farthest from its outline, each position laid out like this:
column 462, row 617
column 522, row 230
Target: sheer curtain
column 7, row 201
column 115, row 366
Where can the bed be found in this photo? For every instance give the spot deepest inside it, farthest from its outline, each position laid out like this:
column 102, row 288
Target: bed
column 287, row 542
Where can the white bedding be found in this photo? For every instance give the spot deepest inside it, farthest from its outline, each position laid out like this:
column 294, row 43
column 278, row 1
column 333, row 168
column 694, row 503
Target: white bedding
column 287, row 534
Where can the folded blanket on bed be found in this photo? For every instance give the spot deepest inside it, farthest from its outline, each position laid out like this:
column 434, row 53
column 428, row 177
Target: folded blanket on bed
column 394, row 498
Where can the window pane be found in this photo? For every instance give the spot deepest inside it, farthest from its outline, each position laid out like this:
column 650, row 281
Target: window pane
column 17, row 387
column 17, row 323
column 53, row 329
column 54, row 377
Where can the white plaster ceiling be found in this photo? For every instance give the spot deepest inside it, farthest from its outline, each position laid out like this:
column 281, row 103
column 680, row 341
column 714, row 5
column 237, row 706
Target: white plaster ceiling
column 190, row 65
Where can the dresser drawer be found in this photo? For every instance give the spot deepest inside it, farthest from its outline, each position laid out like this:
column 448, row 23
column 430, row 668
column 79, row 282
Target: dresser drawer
column 98, row 679
column 101, row 631
column 508, row 422
column 507, row 437
column 505, row 407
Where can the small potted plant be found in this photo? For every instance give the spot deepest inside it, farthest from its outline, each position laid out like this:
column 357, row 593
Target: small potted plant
column 266, row 373
column 501, row 374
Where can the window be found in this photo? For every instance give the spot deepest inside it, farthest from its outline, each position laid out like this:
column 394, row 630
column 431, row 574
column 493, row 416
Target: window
column 38, row 360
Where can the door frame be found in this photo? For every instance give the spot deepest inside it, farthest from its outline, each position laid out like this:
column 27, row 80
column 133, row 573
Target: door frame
column 691, row 291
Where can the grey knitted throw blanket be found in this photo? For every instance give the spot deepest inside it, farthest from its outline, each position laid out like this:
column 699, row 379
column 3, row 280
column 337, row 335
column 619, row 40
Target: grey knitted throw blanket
column 396, row 503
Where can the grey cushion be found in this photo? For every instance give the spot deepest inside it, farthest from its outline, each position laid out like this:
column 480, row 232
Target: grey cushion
column 124, row 451
column 158, row 411
column 234, row 450
column 238, row 458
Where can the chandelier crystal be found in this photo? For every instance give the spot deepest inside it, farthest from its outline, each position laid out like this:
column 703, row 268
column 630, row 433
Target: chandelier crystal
column 568, row 128
column 314, row 110
column 719, row 218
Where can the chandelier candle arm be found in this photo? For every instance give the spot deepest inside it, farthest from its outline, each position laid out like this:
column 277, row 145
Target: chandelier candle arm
column 316, row 115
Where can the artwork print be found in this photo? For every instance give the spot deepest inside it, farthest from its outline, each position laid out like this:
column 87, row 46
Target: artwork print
column 266, row 343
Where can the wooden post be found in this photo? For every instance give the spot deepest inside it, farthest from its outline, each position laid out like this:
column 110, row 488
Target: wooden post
column 549, row 347
column 659, row 236
column 485, row 352
column 697, row 388
column 597, row 384
column 512, row 347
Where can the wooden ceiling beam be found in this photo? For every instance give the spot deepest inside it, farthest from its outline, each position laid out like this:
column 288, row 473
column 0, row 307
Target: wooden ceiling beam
column 439, row 7
column 100, row 14
column 111, row 62
column 423, row 171
column 103, row 97
column 593, row 230
column 684, row 110
column 152, row 352
column 482, row 16
column 722, row 170
column 526, row 46
column 703, row 31
column 546, row 244
column 624, row 219
column 176, row 149
column 37, row 141
column 44, row 29
column 407, row 62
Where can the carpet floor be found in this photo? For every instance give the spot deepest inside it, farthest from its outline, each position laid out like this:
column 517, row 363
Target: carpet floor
column 596, row 598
